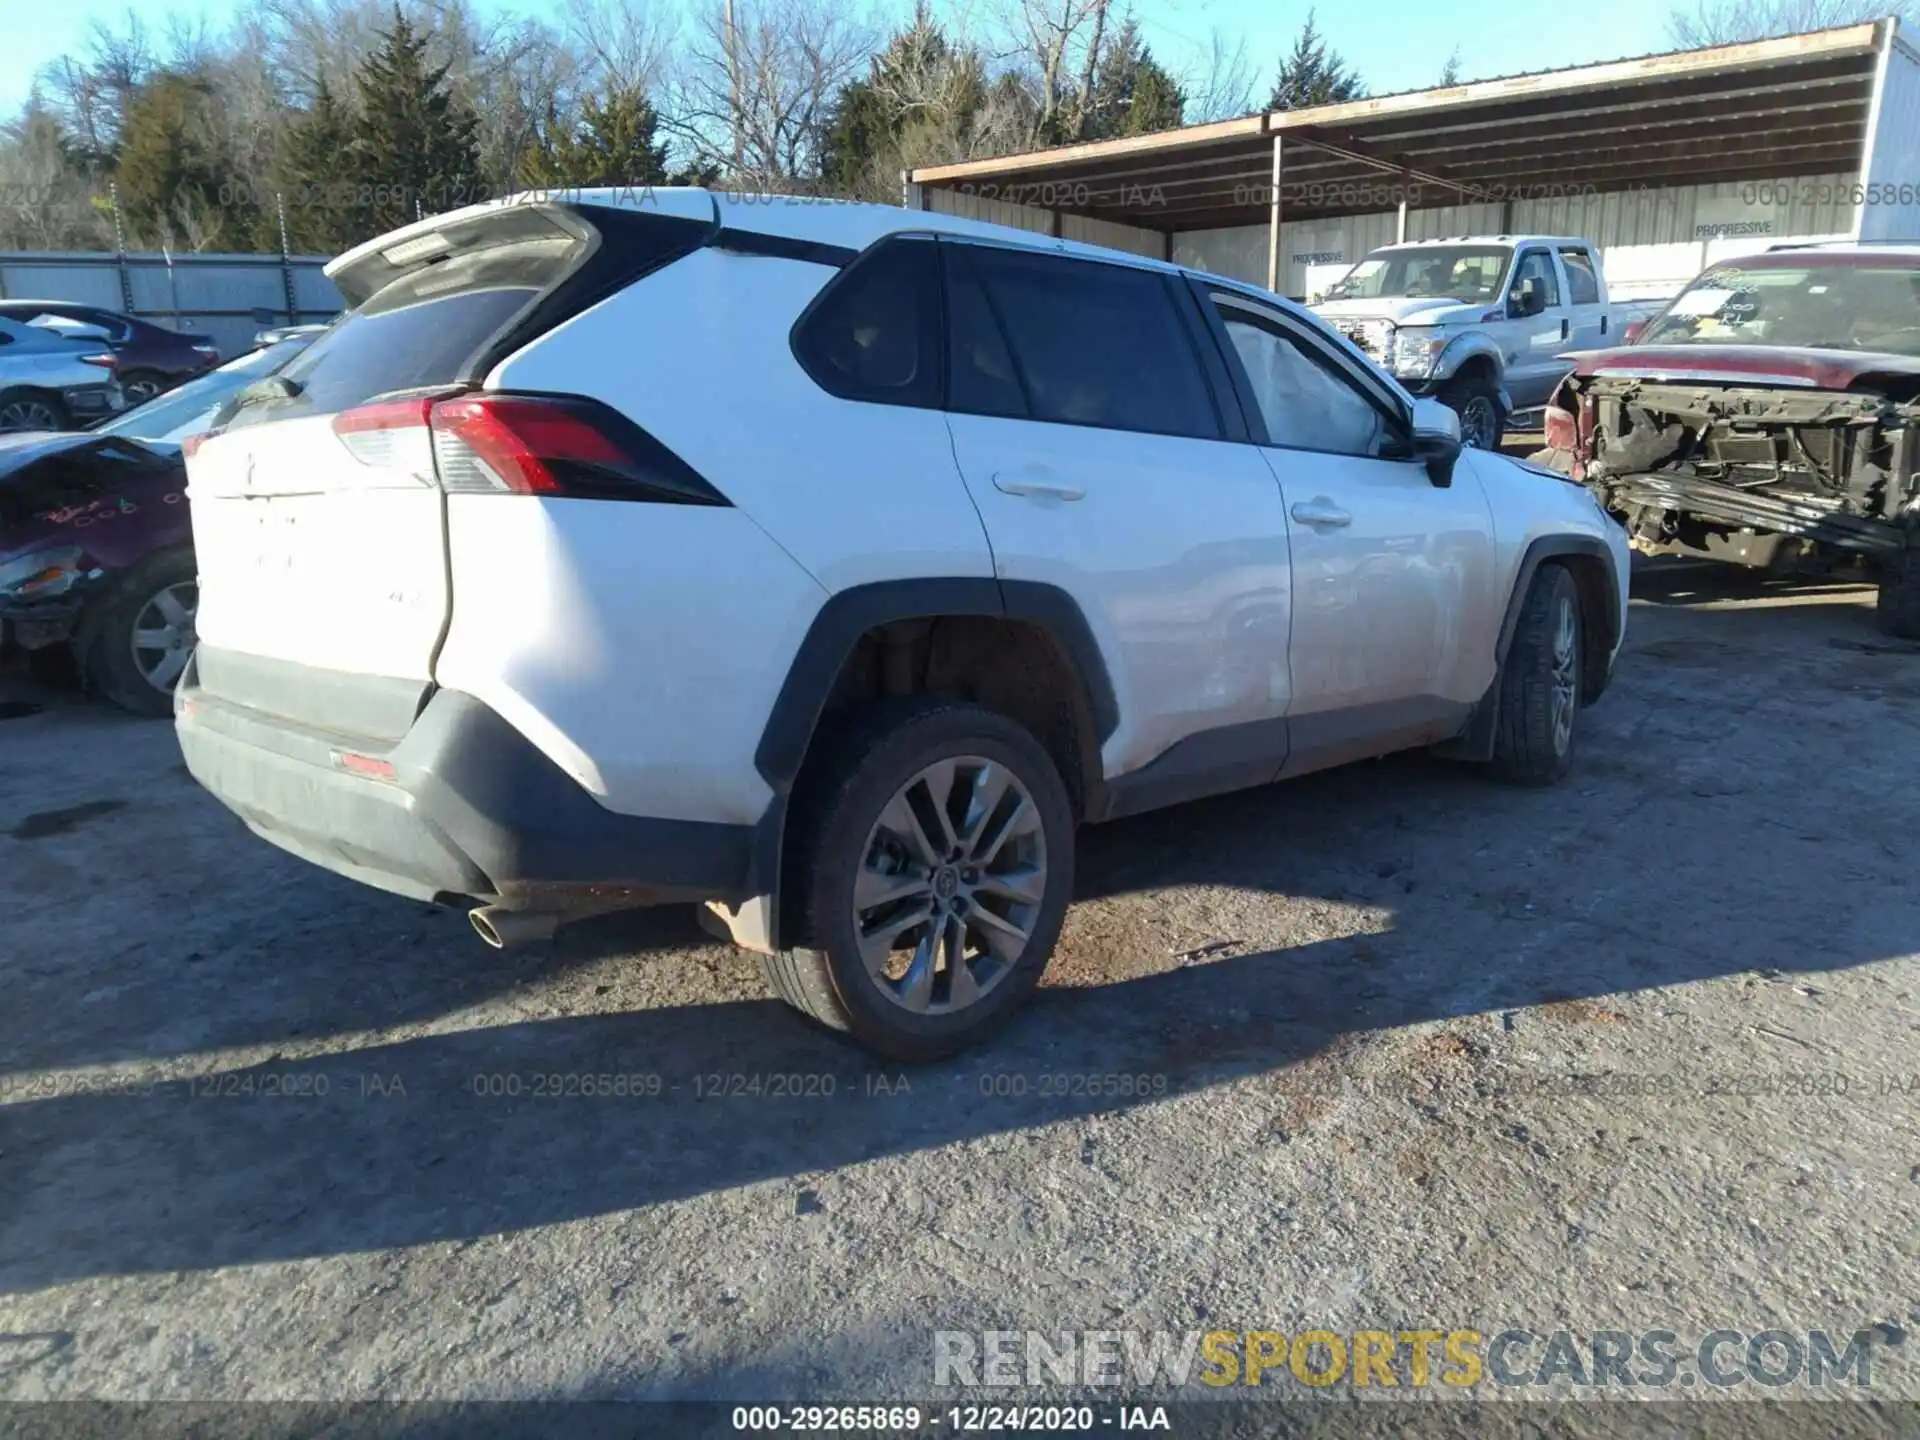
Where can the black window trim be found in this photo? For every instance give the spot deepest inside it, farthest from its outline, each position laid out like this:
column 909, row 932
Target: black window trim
column 1553, row 268
column 844, row 274
column 1397, row 417
column 1224, row 408
column 1591, row 270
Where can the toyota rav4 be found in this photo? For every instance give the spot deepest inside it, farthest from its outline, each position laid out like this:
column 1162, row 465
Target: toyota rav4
column 826, row 565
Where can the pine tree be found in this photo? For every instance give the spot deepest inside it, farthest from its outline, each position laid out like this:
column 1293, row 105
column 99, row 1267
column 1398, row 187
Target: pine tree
column 317, row 199
column 613, row 144
column 1132, row 93
column 413, row 150
column 1313, row 75
column 175, row 173
column 918, row 103
column 1450, row 72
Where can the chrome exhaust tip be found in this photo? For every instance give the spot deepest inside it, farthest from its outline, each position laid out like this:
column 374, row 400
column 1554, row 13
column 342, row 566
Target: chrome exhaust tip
column 503, row 928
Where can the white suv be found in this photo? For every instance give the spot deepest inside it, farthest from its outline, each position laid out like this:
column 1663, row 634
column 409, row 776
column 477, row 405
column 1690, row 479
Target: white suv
column 826, row 564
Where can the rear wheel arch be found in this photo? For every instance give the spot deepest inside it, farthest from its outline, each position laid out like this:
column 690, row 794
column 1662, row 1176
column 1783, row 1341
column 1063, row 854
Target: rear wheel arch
column 884, row 613
column 1023, row 649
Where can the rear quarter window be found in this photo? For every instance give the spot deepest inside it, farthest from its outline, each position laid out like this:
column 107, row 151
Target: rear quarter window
column 873, row 333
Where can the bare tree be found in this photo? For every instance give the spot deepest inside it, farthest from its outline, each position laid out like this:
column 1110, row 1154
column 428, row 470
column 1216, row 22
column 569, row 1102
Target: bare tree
column 1058, row 46
column 1227, row 84
column 758, row 80
column 623, row 44
column 88, row 93
column 45, row 202
column 1726, row 22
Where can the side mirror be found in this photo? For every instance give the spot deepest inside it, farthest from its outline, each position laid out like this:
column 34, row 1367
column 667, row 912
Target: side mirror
column 1436, row 440
column 1528, row 298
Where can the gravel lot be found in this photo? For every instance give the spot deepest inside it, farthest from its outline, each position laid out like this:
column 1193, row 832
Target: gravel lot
column 1357, row 1112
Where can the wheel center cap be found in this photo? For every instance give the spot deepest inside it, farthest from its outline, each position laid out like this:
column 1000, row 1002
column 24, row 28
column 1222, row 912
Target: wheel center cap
column 946, row 882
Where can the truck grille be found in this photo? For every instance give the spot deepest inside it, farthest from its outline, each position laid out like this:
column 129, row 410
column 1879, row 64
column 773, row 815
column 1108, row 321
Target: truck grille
column 1371, row 336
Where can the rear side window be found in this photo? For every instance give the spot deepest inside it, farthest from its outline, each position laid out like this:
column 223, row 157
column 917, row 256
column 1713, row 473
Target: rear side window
column 1096, row 344
column 873, row 334
column 1583, row 286
column 980, row 376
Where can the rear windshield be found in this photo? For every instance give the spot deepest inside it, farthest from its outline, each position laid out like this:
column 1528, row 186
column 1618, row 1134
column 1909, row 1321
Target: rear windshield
column 1825, row 307
column 197, row 401
column 420, row 331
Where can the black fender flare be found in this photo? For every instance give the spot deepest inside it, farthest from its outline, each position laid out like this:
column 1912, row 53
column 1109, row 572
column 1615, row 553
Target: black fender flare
column 1476, row 741
column 850, row 614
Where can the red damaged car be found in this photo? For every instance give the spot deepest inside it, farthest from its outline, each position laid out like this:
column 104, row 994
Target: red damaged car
column 1770, row 416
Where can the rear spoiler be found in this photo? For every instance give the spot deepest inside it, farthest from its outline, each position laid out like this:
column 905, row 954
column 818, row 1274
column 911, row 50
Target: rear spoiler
column 531, row 215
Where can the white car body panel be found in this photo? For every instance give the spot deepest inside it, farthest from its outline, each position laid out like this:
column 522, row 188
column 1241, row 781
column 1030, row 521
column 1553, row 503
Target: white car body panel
column 310, row 556
column 855, row 492
column 1403, row 603
column 1176, row 551
column 648, row 693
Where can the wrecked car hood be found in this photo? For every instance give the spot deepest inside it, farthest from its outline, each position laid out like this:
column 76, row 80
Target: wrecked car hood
column 1743, row 364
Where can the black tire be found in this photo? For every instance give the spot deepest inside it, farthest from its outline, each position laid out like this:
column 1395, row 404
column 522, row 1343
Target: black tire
column 140, row 386
column 1898, row 608
column 836, row 812
column 1476, row 400
column 106, row 643
column 22, row 398
column 1531, row 745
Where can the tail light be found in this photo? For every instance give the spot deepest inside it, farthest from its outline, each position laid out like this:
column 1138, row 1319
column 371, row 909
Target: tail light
column 390, row 435
column 560, row 445
column 506, row 444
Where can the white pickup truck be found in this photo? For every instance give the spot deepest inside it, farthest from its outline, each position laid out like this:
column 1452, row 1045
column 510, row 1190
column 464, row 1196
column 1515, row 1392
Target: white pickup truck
column 1481, row 322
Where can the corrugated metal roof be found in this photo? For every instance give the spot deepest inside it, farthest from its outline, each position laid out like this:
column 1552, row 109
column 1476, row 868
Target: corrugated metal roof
column 1795, row 104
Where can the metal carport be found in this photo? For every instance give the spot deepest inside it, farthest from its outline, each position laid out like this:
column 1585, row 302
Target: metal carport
column 1812, row 105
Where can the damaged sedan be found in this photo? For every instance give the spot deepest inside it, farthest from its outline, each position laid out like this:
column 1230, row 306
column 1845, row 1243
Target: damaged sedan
column 1769, row 417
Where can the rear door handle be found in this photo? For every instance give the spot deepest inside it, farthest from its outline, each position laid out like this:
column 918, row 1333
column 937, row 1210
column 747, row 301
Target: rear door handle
column 1321, row 511
column 1029, row 487
column 1563, row 327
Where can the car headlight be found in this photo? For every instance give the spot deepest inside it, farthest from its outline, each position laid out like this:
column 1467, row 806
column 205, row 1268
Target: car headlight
column 1414, row 350
column 42, row 574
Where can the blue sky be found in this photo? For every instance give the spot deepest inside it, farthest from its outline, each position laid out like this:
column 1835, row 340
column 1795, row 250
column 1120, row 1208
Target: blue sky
column 1396, row 44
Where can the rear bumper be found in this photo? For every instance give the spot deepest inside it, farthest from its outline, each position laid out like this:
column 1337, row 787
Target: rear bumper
column 472, row 809
column 94, row 402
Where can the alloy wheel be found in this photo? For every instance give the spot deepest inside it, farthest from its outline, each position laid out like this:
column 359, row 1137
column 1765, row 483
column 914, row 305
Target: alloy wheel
column 163, row 634
column 28, row 415
column 949, row 885
column 1566, row 675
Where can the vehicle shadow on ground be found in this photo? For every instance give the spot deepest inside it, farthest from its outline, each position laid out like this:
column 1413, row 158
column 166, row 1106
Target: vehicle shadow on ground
column 450, row 1136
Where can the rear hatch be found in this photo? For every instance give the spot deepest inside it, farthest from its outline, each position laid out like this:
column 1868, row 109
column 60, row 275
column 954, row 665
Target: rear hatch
column 319, row 519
